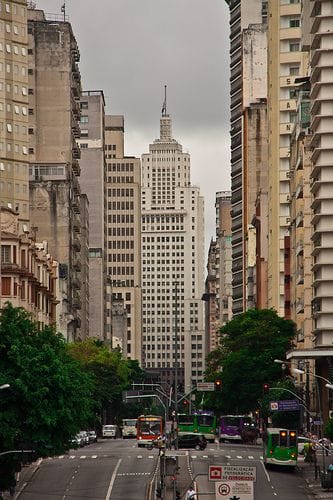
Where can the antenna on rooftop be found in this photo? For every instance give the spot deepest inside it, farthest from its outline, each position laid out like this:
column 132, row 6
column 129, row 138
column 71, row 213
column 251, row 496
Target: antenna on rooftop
column 63, row 10
column 164, row 108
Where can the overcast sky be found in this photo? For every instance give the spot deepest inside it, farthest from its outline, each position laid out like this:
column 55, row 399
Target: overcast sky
column 130, row 49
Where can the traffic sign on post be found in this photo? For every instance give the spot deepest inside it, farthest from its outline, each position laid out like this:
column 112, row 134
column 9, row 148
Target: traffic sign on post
column 205, row 386
column 215, row 472
column 234, row 490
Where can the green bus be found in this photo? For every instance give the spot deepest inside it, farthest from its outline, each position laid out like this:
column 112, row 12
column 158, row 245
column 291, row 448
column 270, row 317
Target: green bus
column 280, row 447
column 201, row 422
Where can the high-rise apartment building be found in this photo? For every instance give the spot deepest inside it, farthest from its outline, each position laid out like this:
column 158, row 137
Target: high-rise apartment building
column 92, row 182
column 284, row 67
column 223, row 240
column 54, row 110
column 248, row 83
column 123, row 218
column 14, row 147
column 172, row 261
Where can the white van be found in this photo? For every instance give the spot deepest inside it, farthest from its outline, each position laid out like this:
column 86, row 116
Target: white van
column 109, row 431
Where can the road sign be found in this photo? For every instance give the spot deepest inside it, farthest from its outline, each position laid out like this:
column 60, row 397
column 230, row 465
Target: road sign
column 234, row 490
column 238, row 473
column 215, row 472
column 205, row 386
column 284, row 405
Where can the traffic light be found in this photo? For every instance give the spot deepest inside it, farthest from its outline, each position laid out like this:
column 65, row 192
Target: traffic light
column 265, row 388
column 218, row 385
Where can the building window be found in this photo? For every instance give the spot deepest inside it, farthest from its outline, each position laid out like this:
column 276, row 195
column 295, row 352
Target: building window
column 84, row 119
column 6, row 286
column 294, row 23
column 294, row 47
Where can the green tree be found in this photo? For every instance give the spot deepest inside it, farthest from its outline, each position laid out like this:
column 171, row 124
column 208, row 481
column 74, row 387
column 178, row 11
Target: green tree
column 248, row 346
column 49, row 396
column 112, row 374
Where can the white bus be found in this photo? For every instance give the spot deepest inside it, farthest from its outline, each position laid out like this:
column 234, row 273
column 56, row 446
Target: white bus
column 129, row 427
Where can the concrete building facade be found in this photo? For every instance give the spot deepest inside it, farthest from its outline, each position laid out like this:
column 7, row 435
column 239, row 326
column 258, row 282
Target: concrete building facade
column 248, row 82
column 54, row 111
column 28, row 272
column 172, row 261
column 223, row 239
column 284, row 66
column 14, row 143
column 92, row 183
column 123, row 217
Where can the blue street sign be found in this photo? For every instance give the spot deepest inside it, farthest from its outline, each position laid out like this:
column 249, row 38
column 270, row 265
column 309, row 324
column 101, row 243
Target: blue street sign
column 284, row 405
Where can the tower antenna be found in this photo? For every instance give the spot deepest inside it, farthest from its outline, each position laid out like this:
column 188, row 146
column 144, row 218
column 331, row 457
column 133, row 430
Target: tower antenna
column 164, row 108
column 63, row 10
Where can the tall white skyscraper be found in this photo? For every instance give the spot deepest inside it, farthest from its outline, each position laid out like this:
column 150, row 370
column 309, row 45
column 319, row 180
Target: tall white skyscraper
column 172, row 262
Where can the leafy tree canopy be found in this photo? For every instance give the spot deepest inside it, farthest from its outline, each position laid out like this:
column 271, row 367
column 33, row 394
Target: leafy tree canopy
column 112, row 374
column 245, row 359
column 49, row 396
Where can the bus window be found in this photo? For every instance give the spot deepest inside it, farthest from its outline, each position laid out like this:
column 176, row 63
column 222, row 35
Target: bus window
column 283, row 438
column 292, row 438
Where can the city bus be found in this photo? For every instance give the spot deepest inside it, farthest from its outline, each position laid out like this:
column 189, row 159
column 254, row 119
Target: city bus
column 232, row 427
column 148, row 428
column 129, row 428
column 280, row 447
column 201, row 422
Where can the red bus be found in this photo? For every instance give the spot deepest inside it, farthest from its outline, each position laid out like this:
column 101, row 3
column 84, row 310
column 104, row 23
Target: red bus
column 148, row 428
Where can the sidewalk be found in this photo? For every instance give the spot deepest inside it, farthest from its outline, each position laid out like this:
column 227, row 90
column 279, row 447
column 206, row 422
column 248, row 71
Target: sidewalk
column 313, row 482
column 24, row 477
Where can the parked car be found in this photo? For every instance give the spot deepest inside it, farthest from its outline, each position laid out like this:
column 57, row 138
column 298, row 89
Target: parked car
column 92, row 436
column 76, row 441
column 110, row 431
column 192, row 440
column 84, row 437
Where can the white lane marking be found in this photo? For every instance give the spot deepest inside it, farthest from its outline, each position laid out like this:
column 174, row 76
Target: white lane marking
column 239, row 456
column 61, row 456
column 251, row 457
column 93, row 456
column 228, row 456
column 83, row 456
column 72, row 456
column 113, row 477
column 265, row 471
column 150, row 456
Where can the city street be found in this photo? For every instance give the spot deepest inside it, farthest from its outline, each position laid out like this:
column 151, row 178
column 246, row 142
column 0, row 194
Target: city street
column 118, row 470
column 110, row 469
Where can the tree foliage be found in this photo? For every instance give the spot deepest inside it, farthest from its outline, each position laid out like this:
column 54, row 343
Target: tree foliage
column 245, row 359
column 111, row 373
column 48, row 400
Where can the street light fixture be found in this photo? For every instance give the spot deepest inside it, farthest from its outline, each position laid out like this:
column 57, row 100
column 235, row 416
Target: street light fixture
column 4, row 386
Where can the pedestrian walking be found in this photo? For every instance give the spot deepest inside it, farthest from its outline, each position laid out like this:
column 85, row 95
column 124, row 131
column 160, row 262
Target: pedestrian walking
column 191, row 494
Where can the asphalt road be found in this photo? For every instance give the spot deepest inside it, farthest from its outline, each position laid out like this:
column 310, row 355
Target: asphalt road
column 110, row 469
column 119, row 470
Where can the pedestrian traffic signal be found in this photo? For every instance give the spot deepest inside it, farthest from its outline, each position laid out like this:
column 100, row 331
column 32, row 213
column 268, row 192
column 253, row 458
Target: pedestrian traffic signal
column 218, row 385
column 265, row 388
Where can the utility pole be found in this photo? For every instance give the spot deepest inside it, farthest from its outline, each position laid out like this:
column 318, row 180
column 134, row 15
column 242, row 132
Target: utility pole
column 176, row 362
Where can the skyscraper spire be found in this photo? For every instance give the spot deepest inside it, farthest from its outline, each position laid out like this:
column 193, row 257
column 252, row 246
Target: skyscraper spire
column 164, row 107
